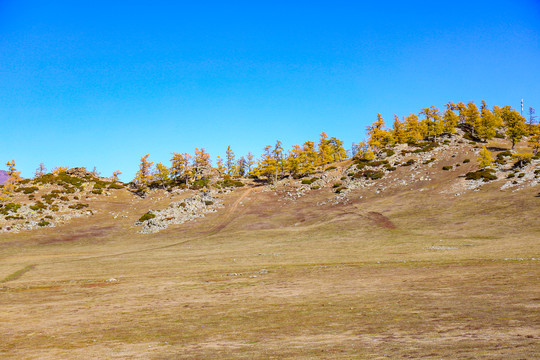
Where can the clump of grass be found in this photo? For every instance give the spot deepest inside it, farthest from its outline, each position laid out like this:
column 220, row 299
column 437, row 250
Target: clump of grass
column 446, row 168
column 78, row 206
column 146, row 217
column 466, row 161
column 485, row 175
column 409, row 162
column 309, row 181
column 10, row 207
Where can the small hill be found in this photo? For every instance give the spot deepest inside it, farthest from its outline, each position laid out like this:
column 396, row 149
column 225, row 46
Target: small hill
column 414, row 253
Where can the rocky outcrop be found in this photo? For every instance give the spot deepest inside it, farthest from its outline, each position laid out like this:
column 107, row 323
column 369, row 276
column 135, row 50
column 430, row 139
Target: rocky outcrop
column 179, row 212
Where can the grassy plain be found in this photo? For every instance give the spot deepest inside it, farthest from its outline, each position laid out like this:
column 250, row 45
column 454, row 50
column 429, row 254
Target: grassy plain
column 401, row 274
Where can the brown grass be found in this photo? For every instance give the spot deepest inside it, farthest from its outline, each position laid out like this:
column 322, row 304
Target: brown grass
column 405, row 274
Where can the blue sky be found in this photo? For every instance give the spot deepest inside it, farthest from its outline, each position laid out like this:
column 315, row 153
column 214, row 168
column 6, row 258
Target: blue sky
column 101, row 83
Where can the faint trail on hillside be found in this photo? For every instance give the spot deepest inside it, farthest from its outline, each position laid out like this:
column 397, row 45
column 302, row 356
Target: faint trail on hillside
column 229, row 214
column 17, row 274
column 228, row 219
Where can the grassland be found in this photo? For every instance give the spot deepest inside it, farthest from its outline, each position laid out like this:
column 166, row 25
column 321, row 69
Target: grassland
column 402, row 274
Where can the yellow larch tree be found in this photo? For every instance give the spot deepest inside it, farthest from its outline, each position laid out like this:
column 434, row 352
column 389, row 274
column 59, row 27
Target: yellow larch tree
column 14, row 179
column 161, row 175
column 450, row 119
column 485, row 160
column 144, row 176
column 398, row 132
column 413, row 130
column 378, row 136
column 230, row 163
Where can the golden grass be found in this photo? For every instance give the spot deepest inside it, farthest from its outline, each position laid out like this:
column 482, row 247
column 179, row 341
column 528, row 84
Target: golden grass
column 274, row 279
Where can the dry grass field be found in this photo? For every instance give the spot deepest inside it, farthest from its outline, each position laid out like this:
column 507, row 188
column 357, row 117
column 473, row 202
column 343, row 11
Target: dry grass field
column 409, row 273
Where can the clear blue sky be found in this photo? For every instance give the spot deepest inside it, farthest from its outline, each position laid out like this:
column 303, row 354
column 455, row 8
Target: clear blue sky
column 101, row 83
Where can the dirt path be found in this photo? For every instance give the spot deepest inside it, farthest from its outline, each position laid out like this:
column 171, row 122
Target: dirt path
column 227, row 220
column 229, row 214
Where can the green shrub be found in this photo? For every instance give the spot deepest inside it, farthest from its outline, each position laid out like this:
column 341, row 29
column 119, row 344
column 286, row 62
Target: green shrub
column 309, row 181
column 331, row 168
column 38, row 206
column 43, row 223
column 370, row 174
column 64, row 198
column 378, row 163
column 78, row 206
column 10, row 207
column 446, row 168
column 336, row 185
column 391, row 168
column 503, row 154
column 485, row 175
column 228, row 182
column 511, row 175
column 520, row 175
column 116, row 186
column 343, row 178
column 340, row 189
column 199, row 184
column 409, row 162
column 315, row 187
column 97, row 192
column 183, row 204
column 147, row 216
column 466, row 161
column 389, row 152
column 14, row 217
column 208, row 203
column 27, row 190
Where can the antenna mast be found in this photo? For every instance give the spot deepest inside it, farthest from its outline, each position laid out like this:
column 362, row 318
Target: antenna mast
column 521, row 107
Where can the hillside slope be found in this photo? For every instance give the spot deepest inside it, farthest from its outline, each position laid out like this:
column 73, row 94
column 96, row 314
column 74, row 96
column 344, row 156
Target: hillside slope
column 418, row 263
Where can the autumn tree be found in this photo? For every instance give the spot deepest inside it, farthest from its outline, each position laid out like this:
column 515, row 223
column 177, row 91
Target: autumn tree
column 201, row 163
column 161, row 175
column 13, row 180
column 485, row 159
column 534, row 138
column 41, row 170
column 487, row 123
column 58, row 170
column 144, row 176
column 250, row 162
column 514, row 124
column 115, row 175
column 267, row 166
column 413, row 130
column 241, row 167
column 363, row 152
column 432, row 124
column 337, row 151
column 324, row 155
column 378, row 136
column 95, row 172
column 277, row 154
column 230, row 160
column 219, row 165
column 450, row 119
column 308, row 158
column 181, row 167
column 398, row 132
